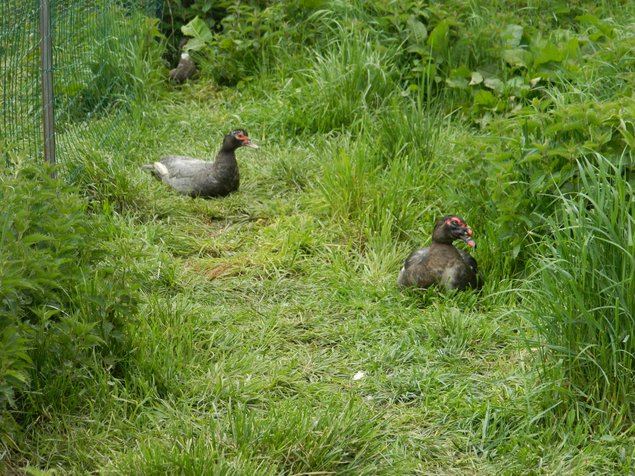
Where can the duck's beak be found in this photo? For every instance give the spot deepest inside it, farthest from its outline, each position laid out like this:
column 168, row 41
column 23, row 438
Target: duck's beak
column 467, row 237
column 247, row 142
column 470, row 242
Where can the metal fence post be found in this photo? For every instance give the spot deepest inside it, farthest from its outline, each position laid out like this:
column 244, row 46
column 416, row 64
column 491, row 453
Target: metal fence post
column 46, row 56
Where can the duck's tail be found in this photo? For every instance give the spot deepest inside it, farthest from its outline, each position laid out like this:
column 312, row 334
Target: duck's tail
column 157, row 168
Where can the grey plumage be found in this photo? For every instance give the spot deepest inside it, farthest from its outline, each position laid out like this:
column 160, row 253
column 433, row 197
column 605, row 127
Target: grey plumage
column 201, row 178
column 185, row 70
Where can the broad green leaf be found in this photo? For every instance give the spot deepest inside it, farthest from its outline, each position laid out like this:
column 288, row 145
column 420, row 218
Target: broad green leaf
column 516, row 83
column 461, row 72
column 477, row 78
column 207, row 6
column 16, row 376
column 494, row 83
column 422, row 51
column 602, row 25
column 458, row 77
column 194, row 44
column 512, row 36
column 549, row 52
column 588, row 19
column 561, row 8
column 560, row 151
column 601, row 135
column 459, row 83
column 572, row 48
column 517, row 57
column 625, row 130
column 226, row 43
column 417, row 29
column 439, row 37
column 198, row 29
column 485, row 98
column 36, row 238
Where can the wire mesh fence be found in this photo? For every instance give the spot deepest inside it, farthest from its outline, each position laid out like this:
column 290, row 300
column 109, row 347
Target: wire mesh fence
column 92, row 44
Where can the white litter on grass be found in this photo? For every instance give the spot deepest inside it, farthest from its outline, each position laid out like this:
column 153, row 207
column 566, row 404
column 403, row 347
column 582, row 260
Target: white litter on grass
column 359, row 375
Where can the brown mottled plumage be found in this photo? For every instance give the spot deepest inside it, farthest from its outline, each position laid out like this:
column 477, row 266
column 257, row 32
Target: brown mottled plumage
column 441, row 263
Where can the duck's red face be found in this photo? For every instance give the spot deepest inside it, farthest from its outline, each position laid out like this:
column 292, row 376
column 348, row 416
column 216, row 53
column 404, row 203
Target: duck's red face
column 460, row 230
column 242, row 136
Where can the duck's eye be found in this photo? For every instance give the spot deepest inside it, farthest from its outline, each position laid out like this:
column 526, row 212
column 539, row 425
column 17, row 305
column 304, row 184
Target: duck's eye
column 454, row 221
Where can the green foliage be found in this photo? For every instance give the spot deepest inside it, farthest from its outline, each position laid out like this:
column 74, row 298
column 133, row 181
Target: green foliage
column 67, row 294
column 244, row 39
column 199, row 33
column 288, row 439
column 533, row 150
column 543, row 101
column 180, row 12
column 352, row 79
column 381, row 182
column 582, row 294
column 109, row 69
column 271, row 336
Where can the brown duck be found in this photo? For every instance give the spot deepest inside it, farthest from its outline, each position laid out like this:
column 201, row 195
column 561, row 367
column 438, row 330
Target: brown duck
column 441, row 263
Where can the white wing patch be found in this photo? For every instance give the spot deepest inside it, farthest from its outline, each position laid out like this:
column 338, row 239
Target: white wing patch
column 162, row 169
column 419, row 255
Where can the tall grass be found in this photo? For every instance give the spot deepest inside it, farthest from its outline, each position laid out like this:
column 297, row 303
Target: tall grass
column 582, row 294
column 383, row 179
column 350, row 78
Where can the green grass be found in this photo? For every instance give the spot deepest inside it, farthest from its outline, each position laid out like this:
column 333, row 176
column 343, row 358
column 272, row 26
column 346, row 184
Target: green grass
column 254, row 312
column 585, row 295
column 243, row 353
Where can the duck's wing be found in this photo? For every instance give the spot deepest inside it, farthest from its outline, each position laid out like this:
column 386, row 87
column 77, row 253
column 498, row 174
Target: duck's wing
column 415, row 270
column 417, row 257
column 178, row 166
column 475, row 279
column 469, row 260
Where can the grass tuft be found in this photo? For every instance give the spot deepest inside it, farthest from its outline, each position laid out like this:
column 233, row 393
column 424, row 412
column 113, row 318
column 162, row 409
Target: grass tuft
column 581, row 294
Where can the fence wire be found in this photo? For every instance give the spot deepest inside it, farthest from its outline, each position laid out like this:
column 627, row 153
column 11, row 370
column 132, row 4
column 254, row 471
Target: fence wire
column 91, row 49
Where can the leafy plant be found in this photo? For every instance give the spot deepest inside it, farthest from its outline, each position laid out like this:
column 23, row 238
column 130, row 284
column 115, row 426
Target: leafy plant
column 199, row 33
column 67, row 295
column 248, row 38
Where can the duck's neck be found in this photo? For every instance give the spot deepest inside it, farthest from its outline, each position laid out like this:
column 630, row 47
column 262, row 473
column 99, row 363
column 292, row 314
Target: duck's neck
column 440, row 244
column 225, row 164
column 226, row 157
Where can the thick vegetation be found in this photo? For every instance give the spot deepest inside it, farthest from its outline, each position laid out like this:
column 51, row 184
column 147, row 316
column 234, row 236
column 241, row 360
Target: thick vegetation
column 264, row 333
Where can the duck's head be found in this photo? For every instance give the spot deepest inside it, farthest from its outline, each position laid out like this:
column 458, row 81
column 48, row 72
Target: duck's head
column 451, row 228
column 238, row 138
